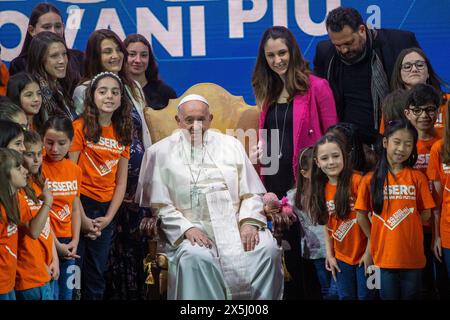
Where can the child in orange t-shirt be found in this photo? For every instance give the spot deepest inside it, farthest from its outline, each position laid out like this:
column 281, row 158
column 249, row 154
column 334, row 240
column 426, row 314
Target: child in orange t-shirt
column 101, row 147
column 65, row 178
column 421, row 110
column 395, row 102
column 400, row 199
column 14, row 211
column 37, row 261
column 334, row 186
column 439, row 171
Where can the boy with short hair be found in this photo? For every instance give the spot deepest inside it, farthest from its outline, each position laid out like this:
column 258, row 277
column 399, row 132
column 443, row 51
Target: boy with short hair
column 422, row 110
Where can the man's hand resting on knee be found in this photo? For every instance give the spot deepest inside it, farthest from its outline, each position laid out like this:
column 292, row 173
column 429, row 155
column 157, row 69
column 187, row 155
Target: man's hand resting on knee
column 195, row 235
column 249, row 237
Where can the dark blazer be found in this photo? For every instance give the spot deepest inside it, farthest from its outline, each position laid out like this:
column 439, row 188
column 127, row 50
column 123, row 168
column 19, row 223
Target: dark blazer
column 388, row 43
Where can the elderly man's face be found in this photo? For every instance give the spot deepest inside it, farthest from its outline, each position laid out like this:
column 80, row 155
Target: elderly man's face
column 194, row 116
column 350, row 44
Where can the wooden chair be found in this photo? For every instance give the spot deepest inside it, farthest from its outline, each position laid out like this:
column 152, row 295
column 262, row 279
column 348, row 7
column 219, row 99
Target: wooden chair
column 230, row 112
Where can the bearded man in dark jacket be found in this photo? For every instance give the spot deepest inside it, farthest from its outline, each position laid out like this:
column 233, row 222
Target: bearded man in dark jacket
column 358, row 63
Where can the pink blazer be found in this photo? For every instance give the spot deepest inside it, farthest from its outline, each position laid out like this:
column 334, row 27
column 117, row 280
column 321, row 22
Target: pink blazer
column 313, row 113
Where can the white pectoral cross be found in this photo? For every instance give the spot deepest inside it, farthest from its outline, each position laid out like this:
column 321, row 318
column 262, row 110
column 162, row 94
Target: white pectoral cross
column 195, row 196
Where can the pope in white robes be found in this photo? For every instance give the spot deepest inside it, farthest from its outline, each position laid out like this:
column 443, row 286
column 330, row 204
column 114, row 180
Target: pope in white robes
column 209, row 199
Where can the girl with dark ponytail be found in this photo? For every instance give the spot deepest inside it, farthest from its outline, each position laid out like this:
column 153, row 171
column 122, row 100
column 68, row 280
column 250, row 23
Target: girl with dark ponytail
column 400, row 199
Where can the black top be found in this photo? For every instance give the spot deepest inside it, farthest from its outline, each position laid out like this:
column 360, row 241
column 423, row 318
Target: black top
column 388, row 43
column 157, row 94
column 283, row 180
column 358, row 100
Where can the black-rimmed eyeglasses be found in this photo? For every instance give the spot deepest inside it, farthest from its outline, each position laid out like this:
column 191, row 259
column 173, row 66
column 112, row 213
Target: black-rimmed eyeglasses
column 419, row 64
column 430, row 110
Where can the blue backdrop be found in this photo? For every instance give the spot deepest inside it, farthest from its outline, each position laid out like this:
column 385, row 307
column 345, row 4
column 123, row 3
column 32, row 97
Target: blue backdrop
column 217, row 40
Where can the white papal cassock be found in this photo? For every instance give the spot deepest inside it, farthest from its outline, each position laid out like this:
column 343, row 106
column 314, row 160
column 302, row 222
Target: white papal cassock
column 215, row 188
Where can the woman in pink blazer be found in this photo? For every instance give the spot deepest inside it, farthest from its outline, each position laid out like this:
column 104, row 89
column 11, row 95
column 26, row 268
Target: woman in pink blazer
column 301, row 106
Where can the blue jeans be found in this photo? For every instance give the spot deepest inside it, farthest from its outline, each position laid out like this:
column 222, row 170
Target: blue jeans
column 62, row 290
column 328, row 286
column 446, row 259
column 352, row 283
column 8, row 296
column 94, row 253
column 429, row 290
column 400, row 284
column 44, row 292
column 441, row 279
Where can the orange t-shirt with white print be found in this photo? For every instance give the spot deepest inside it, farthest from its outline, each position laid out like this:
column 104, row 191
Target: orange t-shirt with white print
column 64, row 179
column 439, row 125
column 98, row 161
column 423, row 156
column 32, row 270
column 438, row 171
column 397, row 233
column 8, row 245
column 423, row 153
column 348, row 239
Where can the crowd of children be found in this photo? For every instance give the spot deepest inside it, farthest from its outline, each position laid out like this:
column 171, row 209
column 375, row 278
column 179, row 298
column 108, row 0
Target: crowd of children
column 81, row 181
column 379, row 229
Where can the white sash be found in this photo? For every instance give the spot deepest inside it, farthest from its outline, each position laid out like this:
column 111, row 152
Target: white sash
column 228, row 242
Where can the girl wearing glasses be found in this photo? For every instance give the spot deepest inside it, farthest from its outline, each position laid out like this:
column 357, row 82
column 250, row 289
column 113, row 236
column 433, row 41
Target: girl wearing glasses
column 413, row 67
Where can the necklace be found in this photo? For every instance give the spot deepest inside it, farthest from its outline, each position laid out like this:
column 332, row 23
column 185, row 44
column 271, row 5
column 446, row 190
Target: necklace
column 195, row 190
column 280, row 154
